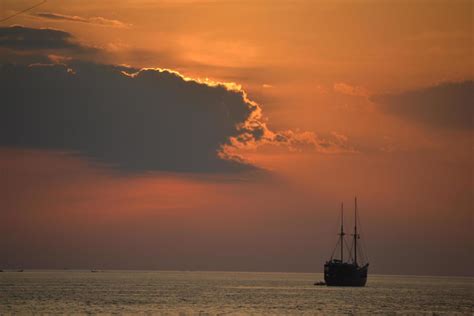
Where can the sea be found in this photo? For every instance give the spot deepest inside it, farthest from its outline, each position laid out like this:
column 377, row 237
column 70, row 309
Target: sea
column 234, row 293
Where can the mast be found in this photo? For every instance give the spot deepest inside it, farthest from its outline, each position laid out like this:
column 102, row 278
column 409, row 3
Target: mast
column 342, row 232
column 356, row 236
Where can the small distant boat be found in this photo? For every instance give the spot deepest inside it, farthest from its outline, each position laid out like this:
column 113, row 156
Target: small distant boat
column 319, row 283
column 352, row 272
column 94, row 271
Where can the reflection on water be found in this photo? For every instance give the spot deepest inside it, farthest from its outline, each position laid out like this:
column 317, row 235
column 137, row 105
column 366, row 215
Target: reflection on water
column 226, row 292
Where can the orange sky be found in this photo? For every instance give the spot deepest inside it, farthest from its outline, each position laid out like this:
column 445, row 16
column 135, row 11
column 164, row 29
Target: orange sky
column 312, row 66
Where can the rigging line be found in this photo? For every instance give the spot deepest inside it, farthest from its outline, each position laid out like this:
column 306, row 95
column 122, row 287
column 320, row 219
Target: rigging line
column 349, row 250
column 365, row 250
column 362, row 251
column 22, row 11
column 363, row 256
column 362, row 240
column 337, row 244
column 363, row 247
column 336, row 228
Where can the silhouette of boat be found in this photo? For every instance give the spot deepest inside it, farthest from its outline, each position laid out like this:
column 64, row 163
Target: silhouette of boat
column 352, row 272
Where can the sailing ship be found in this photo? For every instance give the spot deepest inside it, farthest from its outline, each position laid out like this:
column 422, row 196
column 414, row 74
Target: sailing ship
column 353, row 271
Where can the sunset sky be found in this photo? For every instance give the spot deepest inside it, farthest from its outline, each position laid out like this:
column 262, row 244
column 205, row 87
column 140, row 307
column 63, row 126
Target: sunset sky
column 223, row 135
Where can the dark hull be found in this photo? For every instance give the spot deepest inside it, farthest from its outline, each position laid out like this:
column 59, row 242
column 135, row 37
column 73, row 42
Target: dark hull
column 345, row 274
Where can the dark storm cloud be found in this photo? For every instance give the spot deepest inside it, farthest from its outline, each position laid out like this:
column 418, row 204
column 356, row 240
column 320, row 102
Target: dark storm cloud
column 152, row 120
column 25, row 38
column 448, row 105
column 26, row 45
column 74, row 18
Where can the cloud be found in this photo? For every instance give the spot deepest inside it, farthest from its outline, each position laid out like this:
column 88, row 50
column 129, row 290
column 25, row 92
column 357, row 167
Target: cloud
column 138, row 120
column 303, row 141
column 149, row 120
column 22, row 38
column 348, row 89
column 74, row 18
column 294, row 141
column 447, row 105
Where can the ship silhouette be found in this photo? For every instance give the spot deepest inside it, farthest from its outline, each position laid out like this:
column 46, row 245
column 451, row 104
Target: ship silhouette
column 353, row 271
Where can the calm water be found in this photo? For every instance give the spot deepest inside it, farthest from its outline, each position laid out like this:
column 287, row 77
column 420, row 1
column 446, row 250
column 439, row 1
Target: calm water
column 227, row 292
